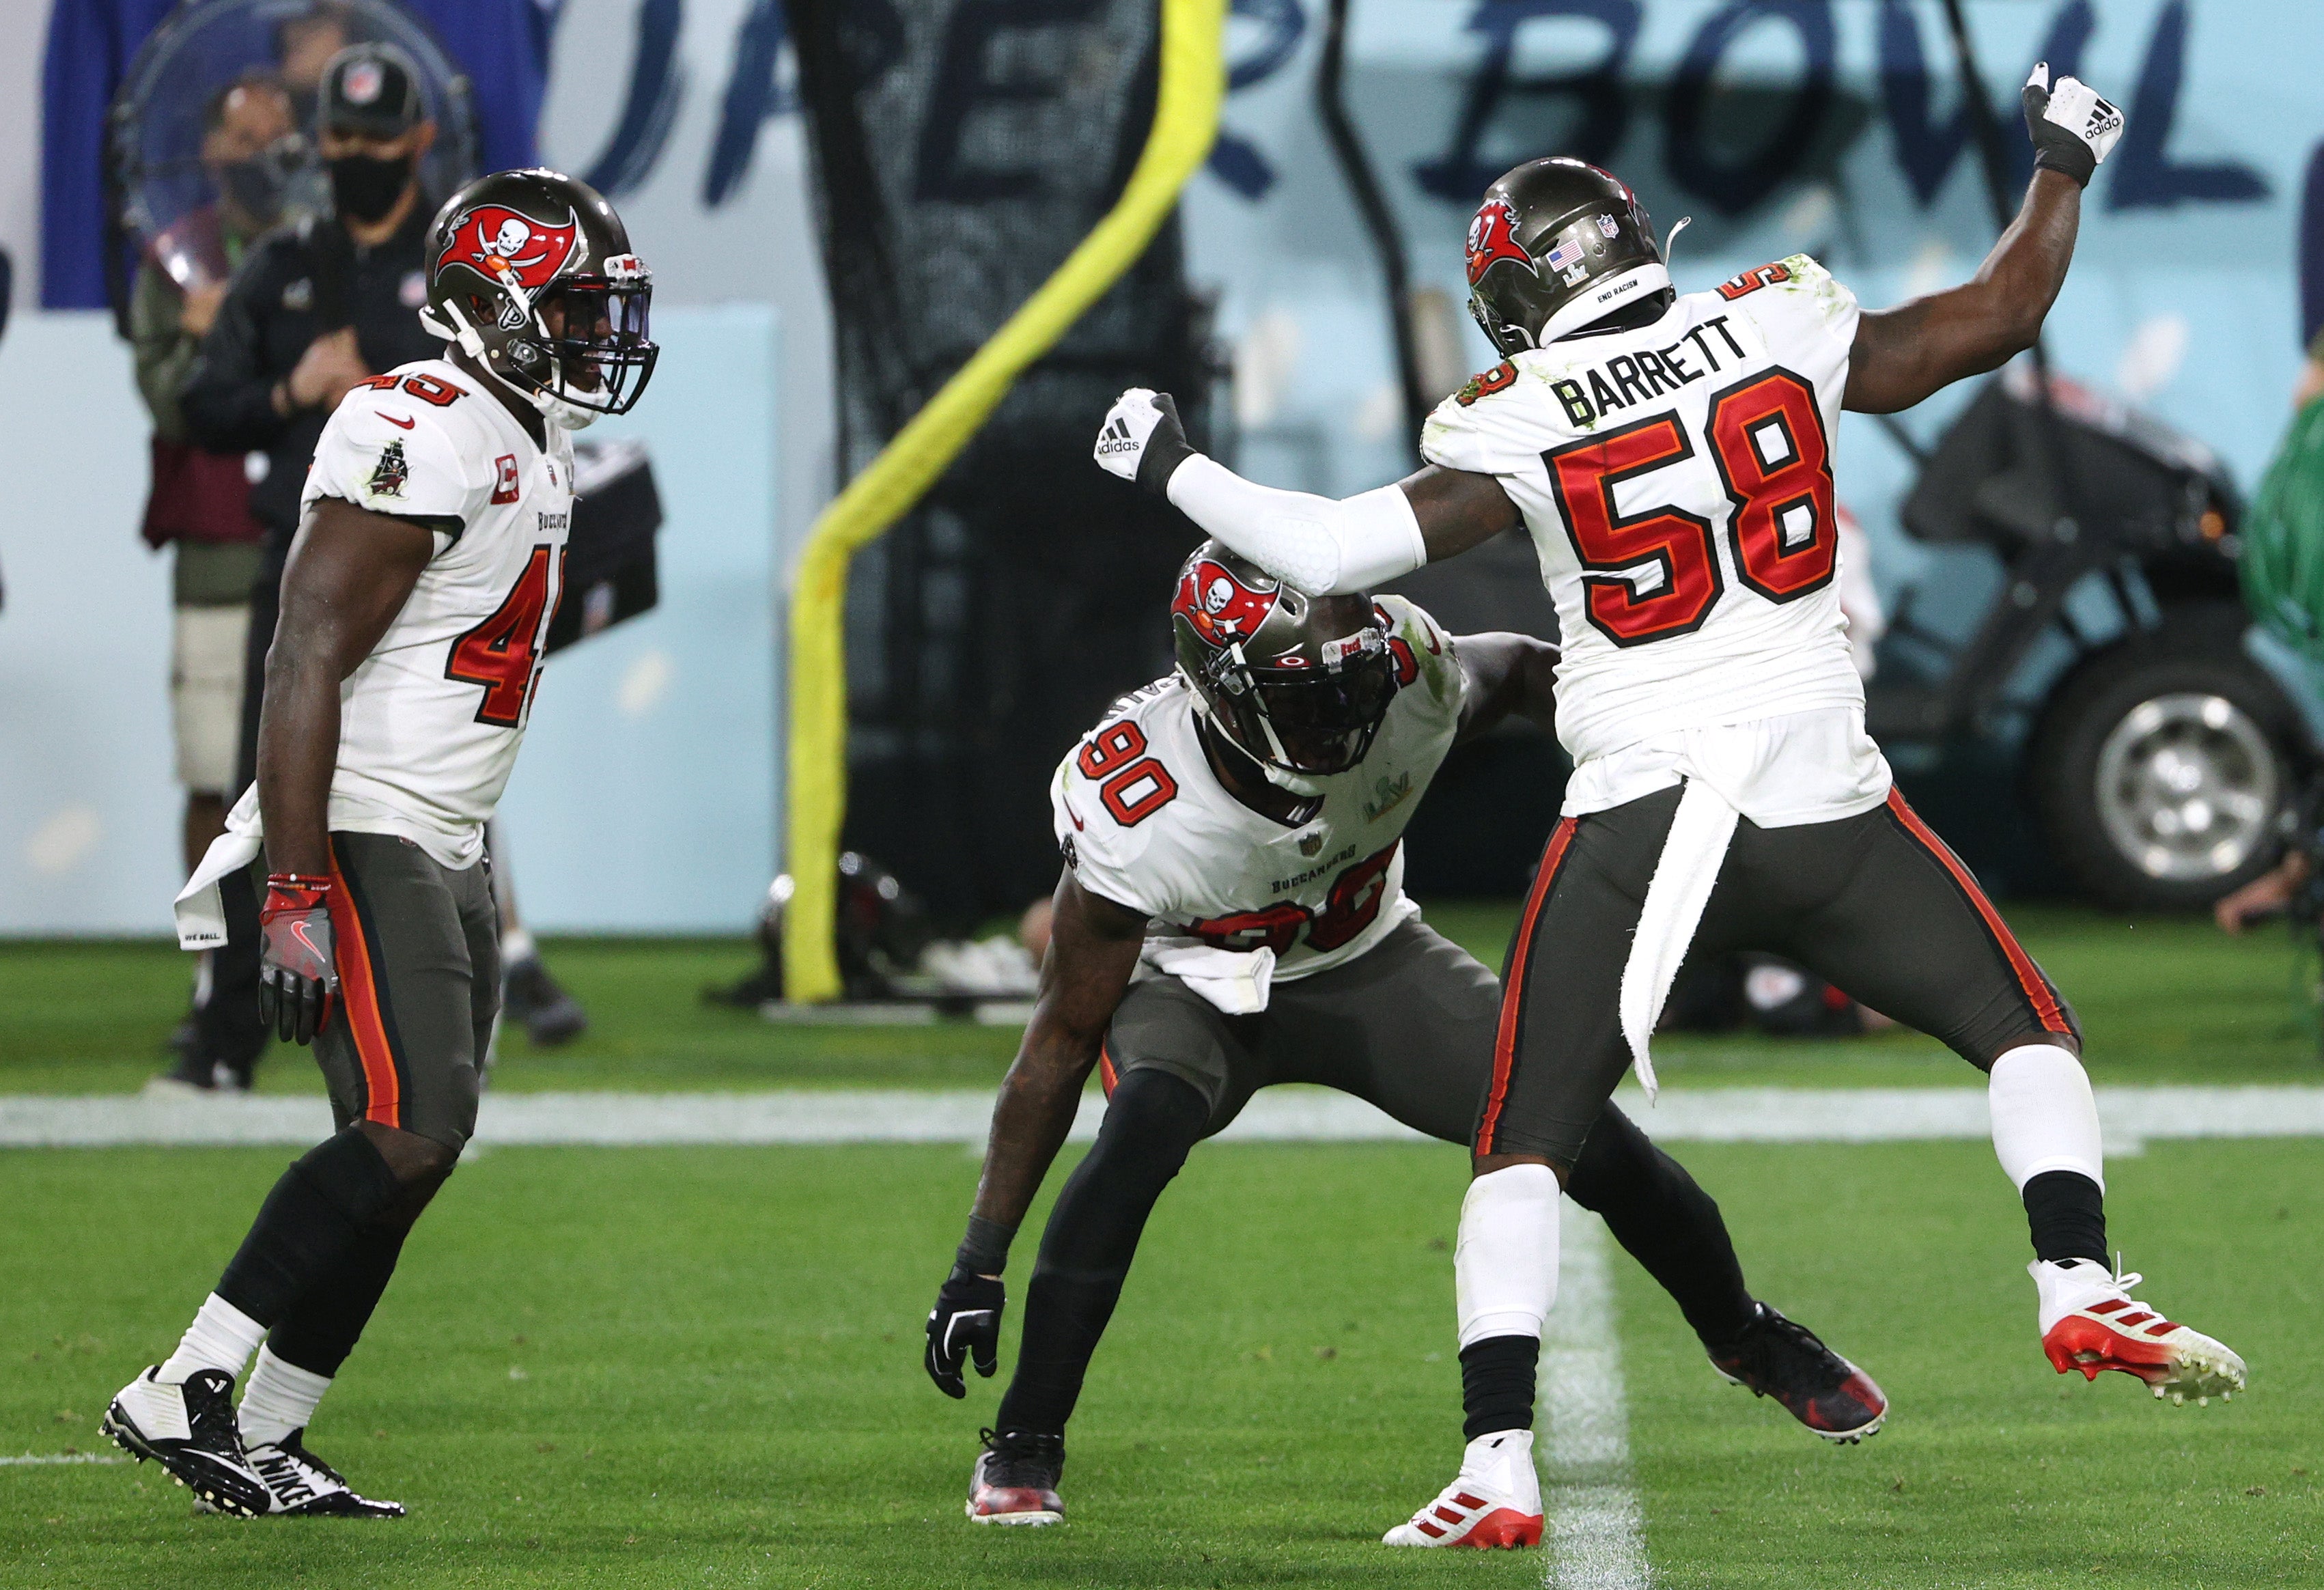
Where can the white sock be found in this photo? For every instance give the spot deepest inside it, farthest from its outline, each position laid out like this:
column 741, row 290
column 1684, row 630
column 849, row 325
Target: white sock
column 2044, row 1117
column 2063, row 1287
column 1504, row 1461
column 222, row 1336
column 279, row 1398
column 516, row 944
column 1505, row 1267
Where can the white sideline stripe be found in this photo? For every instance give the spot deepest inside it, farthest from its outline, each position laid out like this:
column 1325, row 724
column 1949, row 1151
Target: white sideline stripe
column 1594, row 1523
column 2131, row 1116
column 47, row 1459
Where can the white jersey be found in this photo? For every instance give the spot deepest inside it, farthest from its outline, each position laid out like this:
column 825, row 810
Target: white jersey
column 430, row 723
column 1677, row 483
column 1145, row 823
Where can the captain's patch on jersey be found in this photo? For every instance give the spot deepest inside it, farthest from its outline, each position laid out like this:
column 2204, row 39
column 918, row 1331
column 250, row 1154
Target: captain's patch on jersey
column 387, row 478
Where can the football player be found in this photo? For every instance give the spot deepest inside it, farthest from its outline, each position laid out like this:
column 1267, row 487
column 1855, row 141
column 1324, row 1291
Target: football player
column 1672, row 459
column 415, row 606
column 1231, row 915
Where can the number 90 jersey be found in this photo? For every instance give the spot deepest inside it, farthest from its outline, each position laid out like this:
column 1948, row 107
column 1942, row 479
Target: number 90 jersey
column 430, row 721
column 1145, row 823
column 1677, row 483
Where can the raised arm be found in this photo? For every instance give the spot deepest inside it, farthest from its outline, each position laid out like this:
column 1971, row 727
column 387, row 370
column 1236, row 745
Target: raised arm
column 1902, row 356
column 1503, row 673
column 349, row 574
column 1093, row 948
column 1321, row 545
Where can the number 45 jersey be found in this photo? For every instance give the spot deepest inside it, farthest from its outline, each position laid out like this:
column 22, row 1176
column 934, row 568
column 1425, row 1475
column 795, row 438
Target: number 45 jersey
column 1677, row 483
column 1143, row 822
column 430, row 721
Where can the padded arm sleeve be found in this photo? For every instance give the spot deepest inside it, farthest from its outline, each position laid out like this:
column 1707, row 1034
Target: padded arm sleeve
column 1324, row 547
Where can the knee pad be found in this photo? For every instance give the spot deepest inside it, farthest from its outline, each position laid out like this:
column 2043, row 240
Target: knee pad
column 348, row 1172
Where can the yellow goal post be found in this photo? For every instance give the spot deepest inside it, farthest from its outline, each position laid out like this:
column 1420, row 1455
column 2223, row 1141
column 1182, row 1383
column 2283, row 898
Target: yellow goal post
column 1186, row 119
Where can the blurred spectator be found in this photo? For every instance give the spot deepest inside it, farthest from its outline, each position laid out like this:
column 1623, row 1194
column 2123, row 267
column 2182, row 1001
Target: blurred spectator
column 313, row 309
column 200, row 500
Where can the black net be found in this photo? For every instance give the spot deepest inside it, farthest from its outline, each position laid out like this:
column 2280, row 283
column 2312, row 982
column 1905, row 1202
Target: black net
column 962, row 150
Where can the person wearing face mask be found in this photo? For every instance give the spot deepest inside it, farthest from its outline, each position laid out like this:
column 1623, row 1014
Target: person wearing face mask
column 200, row 499
column 313, row 308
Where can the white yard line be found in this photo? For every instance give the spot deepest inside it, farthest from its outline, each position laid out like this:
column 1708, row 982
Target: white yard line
column 48, row 1459
column 1594, row 1532
column 2132, row 1116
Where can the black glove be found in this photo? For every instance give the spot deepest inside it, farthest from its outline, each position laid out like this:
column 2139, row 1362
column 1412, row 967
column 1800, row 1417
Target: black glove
column 2071, row 127
column 298, row 971
column 965, row 1320
column 1142, row 440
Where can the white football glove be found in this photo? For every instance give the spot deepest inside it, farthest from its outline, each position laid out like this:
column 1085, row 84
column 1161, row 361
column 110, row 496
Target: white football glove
column 1142, row 440
column 2071, row 127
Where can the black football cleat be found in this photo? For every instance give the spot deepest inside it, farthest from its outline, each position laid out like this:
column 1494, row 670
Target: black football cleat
column 531, row 997
column 190, row 1431
column 304, row 1486
column 1015, row 1480
column 1784, row 1359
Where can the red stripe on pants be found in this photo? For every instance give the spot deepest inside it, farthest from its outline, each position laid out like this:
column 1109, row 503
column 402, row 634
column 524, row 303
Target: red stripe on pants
column 2038, row 992
column 359, row 998
column 1505, row 1038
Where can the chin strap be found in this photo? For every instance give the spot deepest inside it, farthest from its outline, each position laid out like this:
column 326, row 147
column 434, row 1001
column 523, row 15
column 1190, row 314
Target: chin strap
column 459, row 331
column 1670, row 238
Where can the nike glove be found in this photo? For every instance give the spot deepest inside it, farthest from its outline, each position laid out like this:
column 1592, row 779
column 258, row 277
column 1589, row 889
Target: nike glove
column 1142, row 440
column 965, row 1321
column 298, row 971
column 2072, row 128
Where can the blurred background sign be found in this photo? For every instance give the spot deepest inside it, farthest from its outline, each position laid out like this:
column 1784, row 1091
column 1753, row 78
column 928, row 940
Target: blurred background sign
column 1836, row 126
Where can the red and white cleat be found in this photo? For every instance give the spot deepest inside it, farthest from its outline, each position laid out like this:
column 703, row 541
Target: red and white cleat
column 1495, row 1501
column 1015, row 1480
column 2091, row 1322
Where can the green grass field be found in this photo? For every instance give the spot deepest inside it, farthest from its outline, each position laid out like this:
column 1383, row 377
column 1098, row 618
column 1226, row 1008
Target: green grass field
column 700, row 1366
column 2162, row 1000
column 659, row 1367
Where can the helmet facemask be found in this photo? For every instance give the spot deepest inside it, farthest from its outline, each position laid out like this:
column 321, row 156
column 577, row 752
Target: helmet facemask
column 580, row 346
column 1305, row 723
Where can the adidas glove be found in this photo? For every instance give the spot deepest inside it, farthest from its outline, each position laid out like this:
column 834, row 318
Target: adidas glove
column 1142, row 440
column 2072, row 128
column 298, row 971
column 965, row 1321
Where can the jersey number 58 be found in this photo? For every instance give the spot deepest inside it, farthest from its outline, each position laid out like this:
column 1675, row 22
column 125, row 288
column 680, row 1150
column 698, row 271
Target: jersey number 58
column 1767, row 440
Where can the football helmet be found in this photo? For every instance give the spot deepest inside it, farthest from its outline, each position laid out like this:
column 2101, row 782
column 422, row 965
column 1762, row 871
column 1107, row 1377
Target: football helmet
column 1556, row 245
column 530, row 272
column 1299, row 683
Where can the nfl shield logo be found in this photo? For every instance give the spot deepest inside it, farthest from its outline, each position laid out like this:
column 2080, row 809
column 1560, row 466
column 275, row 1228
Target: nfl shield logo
column 1606, row 225
column 1309, row 844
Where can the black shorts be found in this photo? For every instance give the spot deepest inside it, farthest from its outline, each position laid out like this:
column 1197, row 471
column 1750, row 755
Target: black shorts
column 1874, row 904
column 418, row 946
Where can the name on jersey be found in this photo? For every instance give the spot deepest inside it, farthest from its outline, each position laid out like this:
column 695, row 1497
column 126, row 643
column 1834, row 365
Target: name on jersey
column 1285, row 885
column 1628, row 379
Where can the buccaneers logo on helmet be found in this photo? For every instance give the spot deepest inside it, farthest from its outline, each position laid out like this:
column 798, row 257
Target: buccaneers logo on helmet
column 1492, row 236
column 513, row 249
column 1222, row 608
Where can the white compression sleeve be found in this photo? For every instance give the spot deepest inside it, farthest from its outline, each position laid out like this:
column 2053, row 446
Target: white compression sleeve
column 2044, row 1117
column 1323, row 545
column 1504, row 1266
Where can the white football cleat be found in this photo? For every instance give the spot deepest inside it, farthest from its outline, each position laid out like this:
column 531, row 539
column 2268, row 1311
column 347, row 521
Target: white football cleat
column 190, row 1431
column 2091, row 1322
column 1494, row 1500
column 303, row 1486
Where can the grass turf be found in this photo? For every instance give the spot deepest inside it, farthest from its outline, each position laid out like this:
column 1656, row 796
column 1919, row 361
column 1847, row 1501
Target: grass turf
column 654, row 1367
column 2164, row 1000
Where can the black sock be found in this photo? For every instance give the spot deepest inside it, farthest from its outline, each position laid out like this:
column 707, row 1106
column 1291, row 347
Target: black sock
column 323, row 1323
column 1496, row 1384
column 2067, row 1212
column 1150, row 1123
column 315, row 1214
column 1664, row 1221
